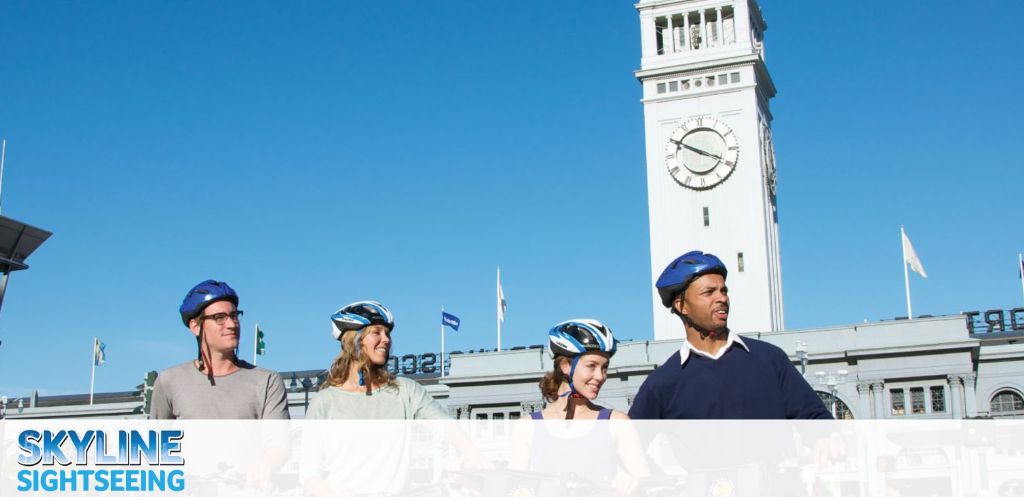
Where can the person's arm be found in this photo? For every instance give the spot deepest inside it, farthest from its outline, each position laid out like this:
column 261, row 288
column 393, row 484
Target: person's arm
column 275, row 406
column 522, row 439
column 424, row 405
column 313, row 458
column 160, row 401
column 627, row 442
column 800, row 400
column 316, row 409
column 645, row 405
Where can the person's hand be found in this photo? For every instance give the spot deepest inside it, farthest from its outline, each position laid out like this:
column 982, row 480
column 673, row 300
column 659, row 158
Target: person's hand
column 257, row 476
column 473, row 459
column 624, row 483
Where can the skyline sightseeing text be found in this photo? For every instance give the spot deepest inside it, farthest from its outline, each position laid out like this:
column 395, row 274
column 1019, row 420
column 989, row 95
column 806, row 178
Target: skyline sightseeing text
column 118, row 461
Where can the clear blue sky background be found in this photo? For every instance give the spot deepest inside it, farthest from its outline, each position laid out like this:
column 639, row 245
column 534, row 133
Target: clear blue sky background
column 317, row 153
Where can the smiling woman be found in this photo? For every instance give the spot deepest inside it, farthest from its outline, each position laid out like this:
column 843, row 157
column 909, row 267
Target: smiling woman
column 581, row 349
column 358, row 384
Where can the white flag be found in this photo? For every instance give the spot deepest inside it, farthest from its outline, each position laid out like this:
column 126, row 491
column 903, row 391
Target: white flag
column 99, row 352
column 501, row 300
column 911, row 257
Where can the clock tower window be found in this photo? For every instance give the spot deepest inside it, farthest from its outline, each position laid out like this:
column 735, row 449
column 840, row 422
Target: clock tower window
column 695, row 30
column 707, row 217
column 739, row 262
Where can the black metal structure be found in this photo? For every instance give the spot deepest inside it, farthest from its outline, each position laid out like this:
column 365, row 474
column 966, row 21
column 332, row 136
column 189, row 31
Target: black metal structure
column 17, row 241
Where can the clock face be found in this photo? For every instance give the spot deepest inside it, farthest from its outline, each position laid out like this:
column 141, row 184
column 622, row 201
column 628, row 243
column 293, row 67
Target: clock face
column 702, row 153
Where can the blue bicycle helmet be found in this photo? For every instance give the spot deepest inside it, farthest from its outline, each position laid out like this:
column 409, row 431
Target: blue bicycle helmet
column 204, row 294
column 576, row 337
column 359, row 315
column 682, row 271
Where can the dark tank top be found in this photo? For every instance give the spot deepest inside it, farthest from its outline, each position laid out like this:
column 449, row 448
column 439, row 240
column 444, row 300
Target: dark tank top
column 592, row 454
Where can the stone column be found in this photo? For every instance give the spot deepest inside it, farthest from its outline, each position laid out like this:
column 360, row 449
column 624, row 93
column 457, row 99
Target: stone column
column 669, row 38
column 649, row 34
column 703, row 29
column 721, row 26
column 686, row 31
column 956, row 404
column 881, row 410
column 970, row 397
column 864, row 390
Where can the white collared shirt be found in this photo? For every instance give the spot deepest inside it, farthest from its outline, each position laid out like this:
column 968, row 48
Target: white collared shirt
column 684, row 351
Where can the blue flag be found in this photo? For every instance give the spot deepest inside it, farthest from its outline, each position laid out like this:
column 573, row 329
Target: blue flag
column 450, row 320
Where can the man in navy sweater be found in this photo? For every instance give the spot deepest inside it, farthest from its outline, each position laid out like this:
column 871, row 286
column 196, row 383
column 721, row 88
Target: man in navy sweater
column 718, row 374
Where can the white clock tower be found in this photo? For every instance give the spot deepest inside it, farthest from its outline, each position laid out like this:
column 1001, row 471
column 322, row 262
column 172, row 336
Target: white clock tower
column 710, row 161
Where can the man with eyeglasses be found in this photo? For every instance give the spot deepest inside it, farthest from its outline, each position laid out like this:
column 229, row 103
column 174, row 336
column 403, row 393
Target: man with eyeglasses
column 216, row 385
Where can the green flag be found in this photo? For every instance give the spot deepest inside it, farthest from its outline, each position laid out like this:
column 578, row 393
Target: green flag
column 261, row 348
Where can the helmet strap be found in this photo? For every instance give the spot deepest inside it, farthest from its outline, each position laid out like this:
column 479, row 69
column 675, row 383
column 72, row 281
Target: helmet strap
column 703, row 332
column 570, row 406
column 362, row 370
column 359, row 338
column 200, row 340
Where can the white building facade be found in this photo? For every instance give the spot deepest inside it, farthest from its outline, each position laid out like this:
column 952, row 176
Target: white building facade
column 711, row 173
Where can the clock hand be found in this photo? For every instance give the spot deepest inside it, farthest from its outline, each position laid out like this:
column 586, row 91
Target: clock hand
column 702, row 152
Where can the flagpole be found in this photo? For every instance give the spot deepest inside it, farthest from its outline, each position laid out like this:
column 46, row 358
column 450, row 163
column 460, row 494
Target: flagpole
column 92, row 378
column 255, row 342
column 906, row 274
column 3, row 155
column 497, row 298
column 1020, row 261
column 442, row 341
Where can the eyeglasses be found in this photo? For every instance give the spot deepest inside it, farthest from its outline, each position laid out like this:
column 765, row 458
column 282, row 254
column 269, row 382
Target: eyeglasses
column 220, row 318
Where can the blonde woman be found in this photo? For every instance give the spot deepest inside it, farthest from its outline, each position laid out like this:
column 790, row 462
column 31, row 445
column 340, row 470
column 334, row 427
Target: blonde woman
column 358, row 385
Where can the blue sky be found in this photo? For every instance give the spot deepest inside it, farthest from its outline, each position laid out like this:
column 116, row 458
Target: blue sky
column 318, row 153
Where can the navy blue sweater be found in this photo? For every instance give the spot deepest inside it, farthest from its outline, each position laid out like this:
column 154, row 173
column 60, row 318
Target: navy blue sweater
column 761, row 383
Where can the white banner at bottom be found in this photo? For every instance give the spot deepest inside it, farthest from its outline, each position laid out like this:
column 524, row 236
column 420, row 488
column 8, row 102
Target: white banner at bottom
column 511, row 458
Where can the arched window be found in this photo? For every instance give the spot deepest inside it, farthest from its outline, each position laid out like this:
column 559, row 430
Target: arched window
column 1007, row 403
column 842, row 412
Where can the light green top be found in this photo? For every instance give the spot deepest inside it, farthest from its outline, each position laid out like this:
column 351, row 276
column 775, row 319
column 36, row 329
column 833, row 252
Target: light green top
column 407, row 400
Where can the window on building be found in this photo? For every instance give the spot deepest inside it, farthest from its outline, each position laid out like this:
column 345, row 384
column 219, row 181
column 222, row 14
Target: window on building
column 661, row 88
column 1007, row 403
column 728, row 25
column 707, row 217
column 739, row 262
column 917, row 400
column 898, row 401
column 712, row 29
column 709, row 81
column 938, row 399
column 685, row 84
column 723, row 79
column 481, row 416
column 842, row 412
column 661, row 33
column 696, row 42
column 734, row 77
column 498, row 416
column 673, row 86
column 514, row 415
